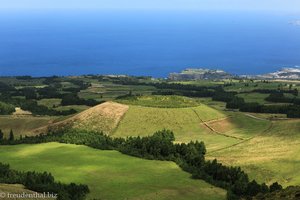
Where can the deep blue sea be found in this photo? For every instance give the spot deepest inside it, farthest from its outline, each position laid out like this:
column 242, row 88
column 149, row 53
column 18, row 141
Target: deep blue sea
column 146, row 43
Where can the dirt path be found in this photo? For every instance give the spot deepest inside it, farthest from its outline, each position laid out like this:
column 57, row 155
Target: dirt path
column 245, row 140
column 212, row 129
column 254, row 117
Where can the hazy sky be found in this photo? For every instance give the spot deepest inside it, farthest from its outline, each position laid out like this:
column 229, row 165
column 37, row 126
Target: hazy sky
column 279, row 5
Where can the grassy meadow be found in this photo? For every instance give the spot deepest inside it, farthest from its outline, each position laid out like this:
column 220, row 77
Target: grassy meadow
column 272, row 155
column 254, row 97
column 186, row 123
column 110, row 175
column 160, row 101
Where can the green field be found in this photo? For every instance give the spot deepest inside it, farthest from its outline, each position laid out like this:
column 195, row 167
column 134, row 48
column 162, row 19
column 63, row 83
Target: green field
column 254, row 97
column 55, row 104
column 109, row 91
column 247, row 86
column 186, row 123
column 273, row 155
column 50, row 103
column 109, row 174
column 160, row 101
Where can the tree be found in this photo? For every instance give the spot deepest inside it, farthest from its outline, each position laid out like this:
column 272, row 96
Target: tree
column 6, row 109
column 11, row 135
column 275, row 186
column 253, row 188
column 235, row 103
column 1, row 135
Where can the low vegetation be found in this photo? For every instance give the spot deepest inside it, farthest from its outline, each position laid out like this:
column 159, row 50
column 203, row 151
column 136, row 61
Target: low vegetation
column 104, row 117
column 272, row 155
column 159, row 101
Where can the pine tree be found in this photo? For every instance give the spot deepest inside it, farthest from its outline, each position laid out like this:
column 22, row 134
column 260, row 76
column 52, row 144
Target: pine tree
column 11, row 135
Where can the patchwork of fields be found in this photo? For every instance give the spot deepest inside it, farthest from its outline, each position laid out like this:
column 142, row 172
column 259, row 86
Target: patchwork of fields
column 266, row 146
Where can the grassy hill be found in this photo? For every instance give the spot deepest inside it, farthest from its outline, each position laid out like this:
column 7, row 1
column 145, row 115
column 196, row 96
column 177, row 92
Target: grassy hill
column 187, row 124
column 273, row 155
column 104, row 117
column 217, row 129
column 109, row 174
column 190, row 121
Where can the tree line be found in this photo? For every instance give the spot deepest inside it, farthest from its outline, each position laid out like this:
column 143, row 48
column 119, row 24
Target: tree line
column 6, row 109
column 160, row 146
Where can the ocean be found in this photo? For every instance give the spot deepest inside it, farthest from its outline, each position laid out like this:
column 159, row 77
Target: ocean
column 146, row 43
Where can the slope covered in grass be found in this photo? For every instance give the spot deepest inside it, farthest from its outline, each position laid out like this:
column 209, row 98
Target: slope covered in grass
column 186, row 123
column 109, row 174
column 273, row 155
column 104, row 117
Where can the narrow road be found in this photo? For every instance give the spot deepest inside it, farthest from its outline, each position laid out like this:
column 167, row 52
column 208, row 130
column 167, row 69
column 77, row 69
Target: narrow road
column 254, row 117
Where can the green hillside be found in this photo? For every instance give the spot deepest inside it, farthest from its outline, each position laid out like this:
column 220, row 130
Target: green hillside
column 187, row 124
column 109, row 174
column 273, row 155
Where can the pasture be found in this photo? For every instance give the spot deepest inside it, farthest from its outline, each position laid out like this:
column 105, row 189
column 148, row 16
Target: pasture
column 110, row 175
column 272, row 155
column 160, row 101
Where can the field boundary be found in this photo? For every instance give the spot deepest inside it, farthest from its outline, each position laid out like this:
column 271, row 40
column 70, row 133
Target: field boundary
column 212, row 129
column 245, row 140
